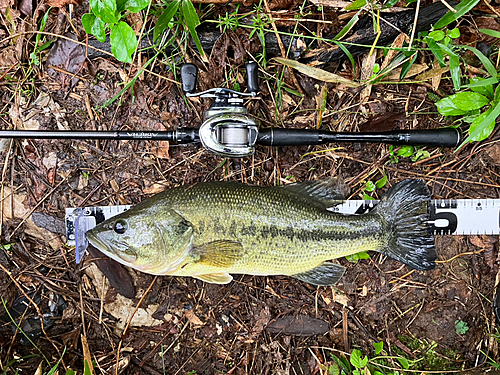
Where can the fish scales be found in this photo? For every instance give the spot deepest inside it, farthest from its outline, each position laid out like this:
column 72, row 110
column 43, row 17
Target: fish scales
column 279, row 232
column 210, row 230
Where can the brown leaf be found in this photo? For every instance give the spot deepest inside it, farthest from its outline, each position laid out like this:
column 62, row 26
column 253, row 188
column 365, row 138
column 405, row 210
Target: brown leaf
column 300, row 325
column 382, row 123
column 262, row 321
column 117, row 275
column 26, row 7
column 493, row 151
column 154, row 188
column 61, row 3
column 478, row 241
column 316, row 73
column 191, row 316
column 67, row 56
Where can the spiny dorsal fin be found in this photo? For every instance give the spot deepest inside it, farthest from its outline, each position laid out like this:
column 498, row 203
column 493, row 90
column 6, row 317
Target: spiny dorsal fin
column 220, row 253
column 215, row 278
column 327, row 274
column 327, row 192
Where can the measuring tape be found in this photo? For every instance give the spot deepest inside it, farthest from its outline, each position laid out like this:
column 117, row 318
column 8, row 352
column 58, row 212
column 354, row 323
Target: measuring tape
column 447, row 217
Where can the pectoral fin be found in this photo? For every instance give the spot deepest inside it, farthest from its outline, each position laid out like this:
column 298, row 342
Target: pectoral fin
column 215, row 278
column 220, row 253
column 327, row 274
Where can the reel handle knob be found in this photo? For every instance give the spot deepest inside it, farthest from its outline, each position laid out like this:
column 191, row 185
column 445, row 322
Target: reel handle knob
column 189, row 72
column 252, row 77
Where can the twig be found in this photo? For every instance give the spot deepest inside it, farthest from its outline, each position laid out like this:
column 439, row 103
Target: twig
column 460, row 255
column 417, row 10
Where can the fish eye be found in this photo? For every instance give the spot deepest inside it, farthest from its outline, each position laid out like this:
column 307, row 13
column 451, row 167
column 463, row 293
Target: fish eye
column 120, row 227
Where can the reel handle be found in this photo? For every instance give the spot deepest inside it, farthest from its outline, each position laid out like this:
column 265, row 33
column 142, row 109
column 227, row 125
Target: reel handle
column 252, row 77
column 189, row 73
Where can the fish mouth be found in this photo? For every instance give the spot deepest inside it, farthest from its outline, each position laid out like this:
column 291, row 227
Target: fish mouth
column 98, row 244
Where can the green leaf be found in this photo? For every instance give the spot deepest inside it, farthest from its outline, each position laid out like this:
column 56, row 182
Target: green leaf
column 381, row 183
column 485, row 130
column 133, row 6
column 435, row 50
column 454, row 33
column 461, row 103
column 105, row 10
column 355, row 258
column 493, row 33
column 404, row 362
column 123, row 42
column 165, row 18
column 334, row 369
column 483, row 85
column 356, row 360
column 420, row 155
column 454, row 65
column 366, row 197
column 192, row 20
column 406, row 151
column 461, row 9
column 347, row 27
column 370, row 186
column 455, row 72
column 437, row 35
column 389, row 4
column 405, row 68
column 355, row 5
column 94, row 26
column 379, row 346
column 70, row 372
column 484, row 60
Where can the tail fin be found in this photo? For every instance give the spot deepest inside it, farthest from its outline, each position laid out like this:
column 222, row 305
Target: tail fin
column 405, row 208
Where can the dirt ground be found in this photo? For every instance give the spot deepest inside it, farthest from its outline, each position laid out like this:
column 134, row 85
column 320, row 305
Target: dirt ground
column 441, row 321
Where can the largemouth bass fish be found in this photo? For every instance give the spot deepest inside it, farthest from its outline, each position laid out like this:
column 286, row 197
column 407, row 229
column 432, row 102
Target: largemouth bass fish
column 211, row 230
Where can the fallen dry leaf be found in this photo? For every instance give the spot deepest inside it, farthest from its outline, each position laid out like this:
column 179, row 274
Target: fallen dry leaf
column 398, row 43
column 414, row 70
column 61, row 3
column 493, row 151
column 154, row 188
column 432, row 73
column 300, row 325
column 193, row 318
column 316, row 73
column 366, row 73
column 67, row 56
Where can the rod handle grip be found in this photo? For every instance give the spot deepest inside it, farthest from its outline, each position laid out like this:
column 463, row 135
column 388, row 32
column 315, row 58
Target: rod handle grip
column 446, row 137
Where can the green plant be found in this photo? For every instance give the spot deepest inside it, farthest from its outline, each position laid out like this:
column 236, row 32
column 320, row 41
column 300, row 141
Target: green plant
column 186, row 14
column 109, row 14
column 39, row 48
column 377, row 365
column 480, row 107
column 461, row 327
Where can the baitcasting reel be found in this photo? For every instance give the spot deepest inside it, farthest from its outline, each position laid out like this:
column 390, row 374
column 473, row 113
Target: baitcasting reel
column 227, row 129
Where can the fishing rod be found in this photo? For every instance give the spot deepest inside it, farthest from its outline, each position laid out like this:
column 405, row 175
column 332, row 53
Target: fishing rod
column 229, row 131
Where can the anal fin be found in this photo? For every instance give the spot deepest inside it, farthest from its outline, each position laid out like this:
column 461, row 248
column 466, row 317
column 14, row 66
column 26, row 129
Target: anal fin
column 215, row 278
column 327, row 274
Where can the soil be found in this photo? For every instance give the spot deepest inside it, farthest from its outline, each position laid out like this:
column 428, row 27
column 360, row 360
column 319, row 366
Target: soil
column 443, row 319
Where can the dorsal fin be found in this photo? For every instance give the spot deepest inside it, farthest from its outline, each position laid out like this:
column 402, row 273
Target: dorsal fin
column 326, row 192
